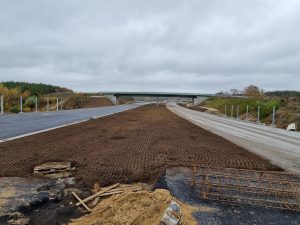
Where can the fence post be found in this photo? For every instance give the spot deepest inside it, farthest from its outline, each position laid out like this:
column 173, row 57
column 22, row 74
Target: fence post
column 36, row 104
column 232, row 111
column 273, row 118
column 57, row 104
column 226, row 110
column 247, row 111
column 2, row 105
column 237, row 111
column 47, row 104
column 21, row 104
column 61, row 104
column 258, row 114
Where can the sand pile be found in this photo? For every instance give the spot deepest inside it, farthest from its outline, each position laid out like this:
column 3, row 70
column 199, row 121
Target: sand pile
column 134, row 208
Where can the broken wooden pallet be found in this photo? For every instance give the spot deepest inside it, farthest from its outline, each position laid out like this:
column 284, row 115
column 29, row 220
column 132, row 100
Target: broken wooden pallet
column 53, row 167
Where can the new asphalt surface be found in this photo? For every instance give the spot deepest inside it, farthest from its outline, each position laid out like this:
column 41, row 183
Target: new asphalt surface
column 279, row 146
column 13, row 125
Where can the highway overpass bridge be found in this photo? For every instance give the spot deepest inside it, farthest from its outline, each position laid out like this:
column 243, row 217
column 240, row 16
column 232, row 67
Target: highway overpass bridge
column 191, row 96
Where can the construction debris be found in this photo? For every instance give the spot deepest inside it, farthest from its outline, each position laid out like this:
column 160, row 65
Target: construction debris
column 264, row 188
column 107, row 191
column 98, row 193
column 54, row 169
column 292, row 127
column 95, row 202
column 85, row 206
column 172, row 214
column 142, row 207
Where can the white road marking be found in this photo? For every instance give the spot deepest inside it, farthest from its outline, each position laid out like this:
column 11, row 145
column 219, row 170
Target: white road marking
column 60, row 126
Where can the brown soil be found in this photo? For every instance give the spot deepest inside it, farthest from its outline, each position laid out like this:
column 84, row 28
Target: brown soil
column 93, row 102
column 130, row 146
column 288, row 112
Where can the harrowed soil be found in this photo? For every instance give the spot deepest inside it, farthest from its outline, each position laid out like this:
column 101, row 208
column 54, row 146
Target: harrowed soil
column 132, row 146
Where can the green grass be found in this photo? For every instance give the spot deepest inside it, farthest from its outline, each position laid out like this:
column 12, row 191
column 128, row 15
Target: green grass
column 266, row 106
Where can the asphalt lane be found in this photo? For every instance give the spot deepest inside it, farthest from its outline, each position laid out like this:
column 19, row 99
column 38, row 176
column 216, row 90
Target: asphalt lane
column 14, row 125
column 279, row 146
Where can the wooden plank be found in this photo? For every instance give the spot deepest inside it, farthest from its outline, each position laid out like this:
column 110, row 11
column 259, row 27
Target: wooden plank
column 53, row 165
column 129, row 185
column 135, row 188
column 117, row 191
column 85, row 206
column 52, row 171
column 95, row 202
column 98, row 193
column 111, row 193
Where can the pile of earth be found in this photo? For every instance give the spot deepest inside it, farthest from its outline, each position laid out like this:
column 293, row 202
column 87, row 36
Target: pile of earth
column 136, row 208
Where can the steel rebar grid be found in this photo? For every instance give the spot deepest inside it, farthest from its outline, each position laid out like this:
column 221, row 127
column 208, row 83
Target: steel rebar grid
column 264, row 188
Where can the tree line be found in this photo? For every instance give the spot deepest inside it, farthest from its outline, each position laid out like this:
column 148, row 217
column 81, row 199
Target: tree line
column 258, row 93
column 283, row 93
column 35, row 89
column 12, row 91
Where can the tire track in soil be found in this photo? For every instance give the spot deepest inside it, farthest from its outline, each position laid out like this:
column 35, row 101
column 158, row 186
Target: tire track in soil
column 130, row 146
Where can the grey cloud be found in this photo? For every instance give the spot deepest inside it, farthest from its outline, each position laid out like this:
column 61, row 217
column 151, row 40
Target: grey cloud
column 188, row 46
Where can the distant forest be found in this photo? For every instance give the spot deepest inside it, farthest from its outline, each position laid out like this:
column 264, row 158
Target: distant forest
column 35, row 88
column 283, row 93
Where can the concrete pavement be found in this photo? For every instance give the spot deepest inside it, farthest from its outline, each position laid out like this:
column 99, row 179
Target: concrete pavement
column 17, row 125
column 279, row 146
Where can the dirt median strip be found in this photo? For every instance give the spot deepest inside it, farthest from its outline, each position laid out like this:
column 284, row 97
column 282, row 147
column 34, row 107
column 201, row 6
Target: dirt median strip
column 132, row 146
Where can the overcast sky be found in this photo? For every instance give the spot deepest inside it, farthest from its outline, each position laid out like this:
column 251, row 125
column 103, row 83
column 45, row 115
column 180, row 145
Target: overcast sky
column 158, row 45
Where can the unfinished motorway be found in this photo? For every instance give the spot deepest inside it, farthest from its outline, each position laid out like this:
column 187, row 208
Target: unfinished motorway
column 220, row 171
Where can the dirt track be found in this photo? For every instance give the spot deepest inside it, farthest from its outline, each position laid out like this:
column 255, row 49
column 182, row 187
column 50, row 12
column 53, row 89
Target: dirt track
column 130, row 146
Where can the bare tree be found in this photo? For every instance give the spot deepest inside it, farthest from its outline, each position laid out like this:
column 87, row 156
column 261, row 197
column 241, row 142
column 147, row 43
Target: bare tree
column 254, row 91
column 234, row 91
